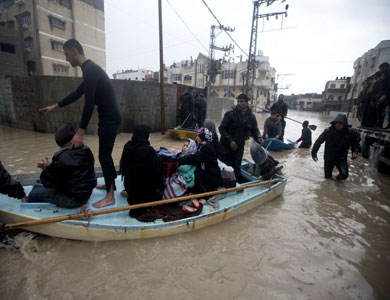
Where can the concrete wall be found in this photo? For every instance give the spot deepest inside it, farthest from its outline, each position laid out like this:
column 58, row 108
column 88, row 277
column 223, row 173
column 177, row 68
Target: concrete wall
column 217, row 107
column 139, row 102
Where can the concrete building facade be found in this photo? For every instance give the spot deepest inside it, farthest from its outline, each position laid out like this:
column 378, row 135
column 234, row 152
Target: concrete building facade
column 11, row 53
column 45, row 26
column 335, row 93
column 230, row 80
column 311, row 102
column 367, row 65
column 138, row 75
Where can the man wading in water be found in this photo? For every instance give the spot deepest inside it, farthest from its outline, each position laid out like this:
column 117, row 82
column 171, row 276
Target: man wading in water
column 97, row 89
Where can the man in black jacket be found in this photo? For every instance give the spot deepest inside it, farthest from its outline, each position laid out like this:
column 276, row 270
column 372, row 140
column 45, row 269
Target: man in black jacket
column 11, row 187
column 338, row 138
column 237, row 126
column 97, row 90
column 305, row 136
column 187, row 109
column 281, row 108
column 69, row 179
column 200, row 109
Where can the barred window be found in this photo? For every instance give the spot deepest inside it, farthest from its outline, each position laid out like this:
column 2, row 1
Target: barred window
column 28, row 44
column 64, row 3
column 57, row 45
column 56, row 23
column 60, row 69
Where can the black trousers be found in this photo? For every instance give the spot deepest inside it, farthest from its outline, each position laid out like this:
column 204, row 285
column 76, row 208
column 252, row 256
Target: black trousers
column 283, row 127
column 233, row 158
column 41, row 194
column 106, row 145
column 341, row 165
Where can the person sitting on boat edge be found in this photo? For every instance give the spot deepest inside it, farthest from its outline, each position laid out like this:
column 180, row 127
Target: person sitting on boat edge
column 338, row 138
column 207, row 173
column 11, row 187
column 143, row 178
column 272, row 126
column 68, row 181
column 305, row 136
column 236, row 127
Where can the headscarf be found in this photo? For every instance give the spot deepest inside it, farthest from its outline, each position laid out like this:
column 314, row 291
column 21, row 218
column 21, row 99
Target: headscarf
column 205, row 135
column 191, row 148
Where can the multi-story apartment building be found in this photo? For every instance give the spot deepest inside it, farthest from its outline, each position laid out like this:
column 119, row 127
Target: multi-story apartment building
column 46, row 24
column 138, row 75
column 335, row 93
column 367, row 65
column 11, row 53
column 309, row 101
column 230, row 78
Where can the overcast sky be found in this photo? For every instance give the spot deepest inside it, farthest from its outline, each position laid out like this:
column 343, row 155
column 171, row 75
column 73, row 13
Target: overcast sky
column 319, row 42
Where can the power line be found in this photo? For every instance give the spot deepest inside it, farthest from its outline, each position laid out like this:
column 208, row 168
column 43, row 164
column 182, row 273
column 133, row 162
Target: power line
column 224, row 30
column 187, row 27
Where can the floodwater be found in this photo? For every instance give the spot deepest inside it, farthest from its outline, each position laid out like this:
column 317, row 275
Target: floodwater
column 321, row 240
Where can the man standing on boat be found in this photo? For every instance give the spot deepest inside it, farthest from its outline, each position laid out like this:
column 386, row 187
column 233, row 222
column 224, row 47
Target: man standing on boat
column 187, row 109
column 97, row 89
column 281, row 108
column 237, row 126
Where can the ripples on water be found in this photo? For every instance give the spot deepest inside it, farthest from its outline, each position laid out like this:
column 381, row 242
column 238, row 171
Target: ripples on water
column 321, row 240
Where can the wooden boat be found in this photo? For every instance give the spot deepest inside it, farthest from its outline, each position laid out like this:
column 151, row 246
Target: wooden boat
column 119, row 226
column 183, row 133
column 272, row 144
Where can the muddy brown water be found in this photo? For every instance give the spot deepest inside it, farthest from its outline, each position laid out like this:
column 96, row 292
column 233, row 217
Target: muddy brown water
column 321, row 240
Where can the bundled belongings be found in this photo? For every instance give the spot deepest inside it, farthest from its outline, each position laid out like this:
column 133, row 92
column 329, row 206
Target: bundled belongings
column 264, row 161
column 168, row 161
column 227, row 174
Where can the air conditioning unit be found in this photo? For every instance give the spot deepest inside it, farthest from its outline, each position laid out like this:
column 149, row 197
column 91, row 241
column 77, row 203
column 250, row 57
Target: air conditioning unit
column 25, row 26
column 20, row 2
column 27, row 49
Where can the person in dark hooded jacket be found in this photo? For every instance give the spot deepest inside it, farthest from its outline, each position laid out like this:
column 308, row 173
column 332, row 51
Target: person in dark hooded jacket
column 305, row 137
column 140, row 166
column 68, row 181
column 236, row 127
column 200, row 109
column 11, row 187
column 187, row 109
column 338, row 138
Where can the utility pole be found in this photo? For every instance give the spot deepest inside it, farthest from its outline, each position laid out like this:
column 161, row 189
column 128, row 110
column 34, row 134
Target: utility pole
column 251, row 68
column 161, row 68
column 212, row 70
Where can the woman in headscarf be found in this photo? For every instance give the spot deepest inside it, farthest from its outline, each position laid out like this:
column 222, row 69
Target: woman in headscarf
column 140, row 167
column 207, row 172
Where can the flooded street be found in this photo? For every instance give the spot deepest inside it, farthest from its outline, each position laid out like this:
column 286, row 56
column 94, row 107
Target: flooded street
column 321, row 240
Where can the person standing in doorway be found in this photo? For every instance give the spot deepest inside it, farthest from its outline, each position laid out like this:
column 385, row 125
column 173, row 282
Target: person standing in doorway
column 281, row 108
column 97, row 89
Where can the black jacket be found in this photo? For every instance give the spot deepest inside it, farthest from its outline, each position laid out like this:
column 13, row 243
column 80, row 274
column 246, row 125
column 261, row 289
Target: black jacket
column 280, row 107
column 305, row 138
column 206, row 160
column 337, row 143
column 141, row 170
column 8, row 186
column 187, row 102
column 71, row 172
column 237, row 127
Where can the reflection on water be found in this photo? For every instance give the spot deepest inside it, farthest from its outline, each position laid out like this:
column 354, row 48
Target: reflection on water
column 321, row 240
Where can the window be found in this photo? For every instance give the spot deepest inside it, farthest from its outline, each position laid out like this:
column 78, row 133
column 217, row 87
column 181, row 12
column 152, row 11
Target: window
column 330, row 97
column 56, row 23
column 7, row 48
column 28, row 44
column 57, row 45
column 25, row 20
column 64, row 3
column 341, row 86
column 339, row 97
column 332, row 86
column 200, row 68
column 228, row 75
column 60, row 69
column 176, row 77
column 373, row 61
column 10, row 24
column 187, row 77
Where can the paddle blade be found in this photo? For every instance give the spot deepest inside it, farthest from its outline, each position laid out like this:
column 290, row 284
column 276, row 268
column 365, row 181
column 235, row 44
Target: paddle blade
column 313, row 127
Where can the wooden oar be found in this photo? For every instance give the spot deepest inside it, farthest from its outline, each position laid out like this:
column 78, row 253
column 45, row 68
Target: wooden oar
column 129, row 207
column 311, row 126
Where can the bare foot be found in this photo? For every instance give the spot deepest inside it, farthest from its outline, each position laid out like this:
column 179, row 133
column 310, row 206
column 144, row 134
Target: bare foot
column 124, row 194
column 106, row 201
column 101, row 186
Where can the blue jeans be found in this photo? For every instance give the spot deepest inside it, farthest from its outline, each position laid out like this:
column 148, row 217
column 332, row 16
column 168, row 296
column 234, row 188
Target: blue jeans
column 41, row 194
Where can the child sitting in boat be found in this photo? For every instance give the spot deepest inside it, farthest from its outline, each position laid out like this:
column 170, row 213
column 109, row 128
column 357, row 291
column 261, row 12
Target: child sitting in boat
column 207, row 172
column 69, row 179
column 143, row 179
